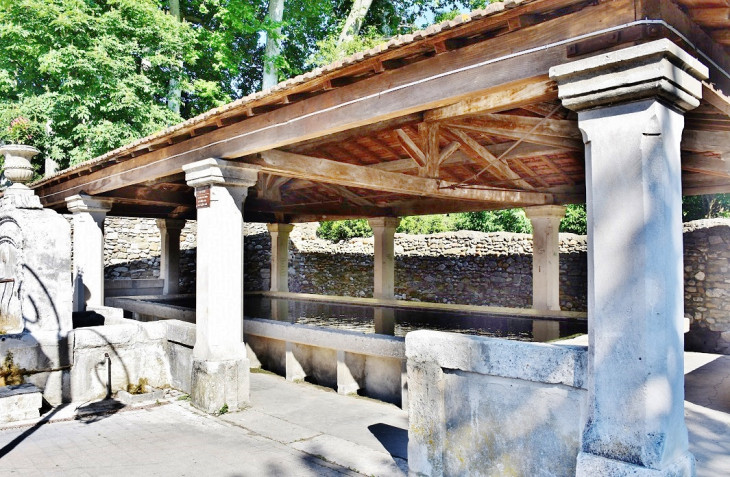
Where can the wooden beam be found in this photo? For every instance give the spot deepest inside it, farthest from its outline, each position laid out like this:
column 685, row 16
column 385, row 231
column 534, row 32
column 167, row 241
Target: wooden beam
column 706, row 165
column 411, row 147
column 429, row 134
column 416, row 87
column 510, row 96
column 570, row 144
column 716, row 98
column 488, row 160
column 458, row 157
column 705, row 141
column 323, row 170
column 147, row 196
column 347, row 194
column 328, row 208
column 523, row 125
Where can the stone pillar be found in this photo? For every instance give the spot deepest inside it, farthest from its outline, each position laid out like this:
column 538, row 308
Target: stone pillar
column 279, row 256
column 384, row 261
column 384, row 268
column 545, row 255
column 220, row 367
column 631, row 106
column 88, row 249
column 170, row 254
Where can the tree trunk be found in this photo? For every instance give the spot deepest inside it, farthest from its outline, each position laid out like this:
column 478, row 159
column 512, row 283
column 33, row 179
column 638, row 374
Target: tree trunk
column 273, row 45
column 354, row 20
column 174, row 95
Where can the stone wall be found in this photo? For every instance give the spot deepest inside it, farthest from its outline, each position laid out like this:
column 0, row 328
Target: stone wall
column 132, row 250
column 455, row 267
column 707, row 285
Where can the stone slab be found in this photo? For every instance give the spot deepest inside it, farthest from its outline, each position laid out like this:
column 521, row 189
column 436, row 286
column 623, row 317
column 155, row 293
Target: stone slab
column 537, row 362
column 21, row 402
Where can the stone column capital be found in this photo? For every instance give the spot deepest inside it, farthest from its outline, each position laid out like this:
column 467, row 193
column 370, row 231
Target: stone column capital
column 86, row 203
column 220, row 172
column 280, row 228
column 545, row 212
column 656, row 70
column 384, row 222
column 170, row 224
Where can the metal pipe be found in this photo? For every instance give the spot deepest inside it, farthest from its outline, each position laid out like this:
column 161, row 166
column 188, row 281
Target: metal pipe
column 108, row 376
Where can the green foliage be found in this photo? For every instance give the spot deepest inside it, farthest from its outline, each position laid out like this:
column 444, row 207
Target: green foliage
column 95, row 72
column 223, row 409
column 329, row 50
column 425, row 224
column 575, row 220
column 510, row 220
column 344, row 230
column 705, row 207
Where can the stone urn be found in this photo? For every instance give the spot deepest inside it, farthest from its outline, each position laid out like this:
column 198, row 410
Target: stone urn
column 18, row 169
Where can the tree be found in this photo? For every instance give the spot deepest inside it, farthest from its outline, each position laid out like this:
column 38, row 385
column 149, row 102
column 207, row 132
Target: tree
column 354, row 20
column 95, row 73
column 273, row 45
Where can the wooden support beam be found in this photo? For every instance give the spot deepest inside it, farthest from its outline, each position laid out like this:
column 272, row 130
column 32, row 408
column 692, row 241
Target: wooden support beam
column 523, row 150
column 411, row 147
column 706, row 165
column 511, row 96
column 570, row 144
column 705, row 141
column 429, row 134
column 716, row 98
column 323, row 170
column 522, row 124
column 325, row 208
column 486, row 159
column 148, row 196
column 348, row 195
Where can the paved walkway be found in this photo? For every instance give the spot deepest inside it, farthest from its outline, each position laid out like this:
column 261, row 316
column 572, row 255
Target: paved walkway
column 291, row 430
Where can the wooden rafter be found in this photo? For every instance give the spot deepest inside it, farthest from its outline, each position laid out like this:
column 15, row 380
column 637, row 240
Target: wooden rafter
column 570, row 144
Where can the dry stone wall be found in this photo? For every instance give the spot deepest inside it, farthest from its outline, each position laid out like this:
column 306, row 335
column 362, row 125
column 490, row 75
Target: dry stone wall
column 707, row 285
column 456, row 267
column 461, row 267
column 132, row 250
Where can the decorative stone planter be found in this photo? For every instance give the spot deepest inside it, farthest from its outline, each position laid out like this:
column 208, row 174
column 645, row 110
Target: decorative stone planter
column 18, row 168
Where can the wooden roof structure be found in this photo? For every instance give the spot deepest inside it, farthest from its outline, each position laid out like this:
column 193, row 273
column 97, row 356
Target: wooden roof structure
column 461, row 116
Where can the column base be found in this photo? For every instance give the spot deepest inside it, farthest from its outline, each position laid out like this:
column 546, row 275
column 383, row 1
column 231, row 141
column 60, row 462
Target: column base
column 590, row 465
column 218, row 383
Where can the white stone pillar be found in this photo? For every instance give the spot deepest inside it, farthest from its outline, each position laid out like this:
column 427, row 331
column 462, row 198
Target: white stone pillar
column 384, row 261
column 220, row 367
column 545, row 255
column 630, row 107
column 279, row 256
column 88, row 249
column 170, row 254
